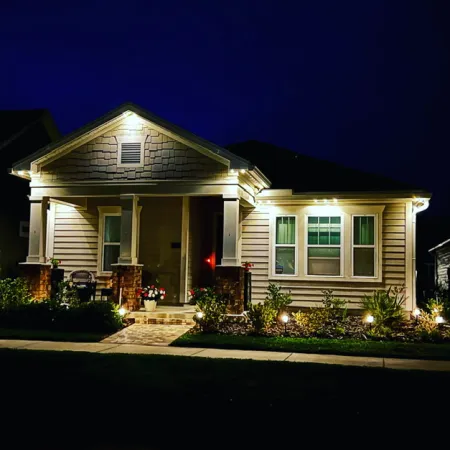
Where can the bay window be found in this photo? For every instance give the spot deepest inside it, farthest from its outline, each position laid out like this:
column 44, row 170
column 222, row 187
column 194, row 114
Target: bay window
column 364, row 237
column 324, row 245
column 285, row 245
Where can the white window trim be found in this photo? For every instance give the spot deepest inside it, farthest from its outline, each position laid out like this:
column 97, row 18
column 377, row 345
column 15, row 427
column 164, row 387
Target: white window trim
column 374, row 246
column 130, row 140
column 341, row 246
column 275, row 245
column 103, row 212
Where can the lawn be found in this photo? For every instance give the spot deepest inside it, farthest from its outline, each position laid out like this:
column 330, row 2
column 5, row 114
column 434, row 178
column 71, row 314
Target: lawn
column 49, row 335
column 388, row 349
column 202, row 401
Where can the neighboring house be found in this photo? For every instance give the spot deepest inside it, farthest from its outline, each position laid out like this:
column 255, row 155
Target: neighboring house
column 133, row 198
column 441, row 263
column 21, row 132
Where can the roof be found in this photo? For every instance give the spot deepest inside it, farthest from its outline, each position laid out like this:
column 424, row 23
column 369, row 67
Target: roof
column 22, row 131
column 287, row 169
column 237, row 162
column 441, row 245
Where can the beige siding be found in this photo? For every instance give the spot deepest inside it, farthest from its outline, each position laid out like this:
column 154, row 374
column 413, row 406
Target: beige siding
column 256, row 248
column 442, row 264
column 164, row 158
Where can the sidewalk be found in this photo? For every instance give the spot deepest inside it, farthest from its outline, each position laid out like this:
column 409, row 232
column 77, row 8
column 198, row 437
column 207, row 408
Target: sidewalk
column 97, row 347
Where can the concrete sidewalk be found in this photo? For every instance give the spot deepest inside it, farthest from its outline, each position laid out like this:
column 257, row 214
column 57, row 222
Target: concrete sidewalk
column 97, row 347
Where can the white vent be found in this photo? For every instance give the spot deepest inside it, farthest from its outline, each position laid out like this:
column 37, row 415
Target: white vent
column 130, row 153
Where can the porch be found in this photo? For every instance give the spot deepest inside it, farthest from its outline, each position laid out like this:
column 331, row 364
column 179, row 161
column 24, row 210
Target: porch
column 130, row 241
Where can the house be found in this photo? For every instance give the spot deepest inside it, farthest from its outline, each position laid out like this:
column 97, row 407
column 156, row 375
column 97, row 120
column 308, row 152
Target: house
column 441, row 255
column 134, row 198
column 21, row 132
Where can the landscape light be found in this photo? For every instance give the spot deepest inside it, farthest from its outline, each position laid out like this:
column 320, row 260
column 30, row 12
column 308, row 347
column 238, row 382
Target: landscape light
column 285, row 318
column 370, row 319
column 439, row 319
column 199, row 315
column 416, row 312
column 122, row 311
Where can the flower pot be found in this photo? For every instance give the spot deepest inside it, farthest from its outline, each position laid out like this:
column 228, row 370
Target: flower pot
column 150, row 305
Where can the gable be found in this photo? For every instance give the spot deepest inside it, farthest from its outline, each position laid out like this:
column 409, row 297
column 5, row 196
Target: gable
column 163, row 158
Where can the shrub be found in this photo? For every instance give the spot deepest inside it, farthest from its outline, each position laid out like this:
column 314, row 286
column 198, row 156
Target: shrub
column 13, row 292
column 386, row 306
column 261, row 316
column 315, row 321
column 196, row 294
column 331, row 302
column 33, row 315
column 213, row 308
column 89, row 316
column 276, row 299
column 426, row 324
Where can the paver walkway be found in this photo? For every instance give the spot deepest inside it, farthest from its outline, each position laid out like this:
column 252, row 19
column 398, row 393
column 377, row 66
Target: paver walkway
column 147, row 334
column 386, row 363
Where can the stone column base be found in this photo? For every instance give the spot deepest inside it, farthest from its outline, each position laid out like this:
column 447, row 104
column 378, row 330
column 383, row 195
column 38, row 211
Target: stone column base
column 129, row 279
column 230, row 284
column 39, row 279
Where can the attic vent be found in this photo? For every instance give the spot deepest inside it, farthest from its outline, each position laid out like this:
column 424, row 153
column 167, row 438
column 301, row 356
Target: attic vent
column 130, row 153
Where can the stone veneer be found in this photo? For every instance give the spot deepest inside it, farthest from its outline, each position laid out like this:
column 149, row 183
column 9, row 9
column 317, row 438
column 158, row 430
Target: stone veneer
column 164, row 159
column 39, row 279
column 129, row 278
column 230, row 284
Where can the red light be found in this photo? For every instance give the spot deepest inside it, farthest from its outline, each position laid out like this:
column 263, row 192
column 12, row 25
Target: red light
column 208, row 260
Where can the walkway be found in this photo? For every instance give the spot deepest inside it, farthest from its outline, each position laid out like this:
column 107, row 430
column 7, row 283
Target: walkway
column 96, row 347
column 147, row 334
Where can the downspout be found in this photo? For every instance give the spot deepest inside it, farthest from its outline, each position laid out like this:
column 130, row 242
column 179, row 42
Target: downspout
column 418, row 205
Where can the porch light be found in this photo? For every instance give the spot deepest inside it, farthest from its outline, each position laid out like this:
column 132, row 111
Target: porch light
column 416, row 312
column 370, row 319
column 199, row 315
column 122, row 311
column 439, row 319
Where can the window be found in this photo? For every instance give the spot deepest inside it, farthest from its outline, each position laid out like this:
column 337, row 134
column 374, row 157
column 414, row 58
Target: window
column 130, row 154
column 285, row 245
column 324, row 245
column 364, row 246
column 111, row 241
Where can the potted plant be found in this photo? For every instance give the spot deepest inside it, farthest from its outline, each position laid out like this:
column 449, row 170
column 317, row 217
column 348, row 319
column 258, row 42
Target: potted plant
column 54, row 262
column 150, row 296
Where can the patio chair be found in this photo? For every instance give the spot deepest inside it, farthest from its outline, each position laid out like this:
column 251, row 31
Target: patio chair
column 85, row 283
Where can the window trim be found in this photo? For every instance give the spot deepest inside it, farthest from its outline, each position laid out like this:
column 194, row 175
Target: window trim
column 130, row 140
column 341, row 246
column 275, row 245
column 104, row 211
column 374, row 246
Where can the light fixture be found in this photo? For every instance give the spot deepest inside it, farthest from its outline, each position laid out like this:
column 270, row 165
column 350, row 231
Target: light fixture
column 416, row 312
column 439, row 319
column 285, row 320
column 370, row 319
column 122, row 311
column 435, row 310
column 199, row 315
column 242, row 170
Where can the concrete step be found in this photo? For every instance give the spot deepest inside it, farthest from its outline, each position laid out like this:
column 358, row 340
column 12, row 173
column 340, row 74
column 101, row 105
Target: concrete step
column 162, row 318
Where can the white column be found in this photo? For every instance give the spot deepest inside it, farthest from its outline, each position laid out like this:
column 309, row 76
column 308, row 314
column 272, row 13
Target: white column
column 185, row 211
column 129, row 230
column 231, row 256
column 38, row 230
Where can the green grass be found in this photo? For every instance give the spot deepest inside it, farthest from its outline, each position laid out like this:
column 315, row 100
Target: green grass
column 152, row 397
column 314, row 345
column 49, row 335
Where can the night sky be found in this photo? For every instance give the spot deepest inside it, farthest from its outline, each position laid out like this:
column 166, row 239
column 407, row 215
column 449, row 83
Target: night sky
column 363, row 83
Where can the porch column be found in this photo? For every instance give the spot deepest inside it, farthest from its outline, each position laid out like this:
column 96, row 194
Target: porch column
column 231, row 256
column 129, row 230
column 185, row 211
column 38, row 230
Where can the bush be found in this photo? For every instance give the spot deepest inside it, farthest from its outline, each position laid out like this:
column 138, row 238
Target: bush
column 276, row 299
column 213, row 308
column 33, row 315
column 386, row 306
column 338, row 305
column 261, row 316
column 197, row 294
column 13, row 292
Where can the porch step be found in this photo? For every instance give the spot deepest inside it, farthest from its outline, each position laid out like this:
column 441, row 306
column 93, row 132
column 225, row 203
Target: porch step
column 162, row 318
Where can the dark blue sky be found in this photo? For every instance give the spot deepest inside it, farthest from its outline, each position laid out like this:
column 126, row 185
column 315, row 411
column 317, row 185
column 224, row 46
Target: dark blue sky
column 364, row 83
